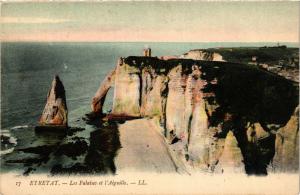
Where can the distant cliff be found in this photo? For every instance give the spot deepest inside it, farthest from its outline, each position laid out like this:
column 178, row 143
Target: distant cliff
column 269, row 55
column 200, row 54
column 279, row 59
column 221, row 115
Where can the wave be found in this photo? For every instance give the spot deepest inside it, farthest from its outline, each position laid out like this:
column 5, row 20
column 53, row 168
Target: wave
column 19, row 127
column 5, row 132
column 7, row 151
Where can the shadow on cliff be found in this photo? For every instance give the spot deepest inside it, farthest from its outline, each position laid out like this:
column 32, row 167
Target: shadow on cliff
column 249, row 95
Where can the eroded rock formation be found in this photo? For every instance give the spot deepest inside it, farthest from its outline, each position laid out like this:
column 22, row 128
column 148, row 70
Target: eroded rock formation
column 231, row 159
column 206, row 106
column 287, row 146
column 99, row 98
column 55, row 112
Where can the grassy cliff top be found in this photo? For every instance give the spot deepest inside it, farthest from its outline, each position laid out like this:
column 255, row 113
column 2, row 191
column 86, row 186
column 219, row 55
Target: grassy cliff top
column 268, row 55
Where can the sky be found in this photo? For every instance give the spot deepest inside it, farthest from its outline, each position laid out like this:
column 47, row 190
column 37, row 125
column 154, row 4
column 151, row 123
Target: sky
column 151, row 21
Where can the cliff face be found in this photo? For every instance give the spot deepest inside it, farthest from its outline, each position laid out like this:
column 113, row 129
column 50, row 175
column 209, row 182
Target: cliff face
column 127, row 94
column 287, row 146
column 55, row 112
column 203, row 55
column 223, row 116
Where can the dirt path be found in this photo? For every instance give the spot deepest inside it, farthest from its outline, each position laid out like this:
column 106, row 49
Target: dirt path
column 143, row 149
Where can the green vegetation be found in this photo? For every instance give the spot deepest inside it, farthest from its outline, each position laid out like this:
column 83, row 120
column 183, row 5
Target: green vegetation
column 268, row 55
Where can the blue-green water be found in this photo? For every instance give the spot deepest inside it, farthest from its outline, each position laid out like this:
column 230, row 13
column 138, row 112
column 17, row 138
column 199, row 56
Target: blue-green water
column 27, row 70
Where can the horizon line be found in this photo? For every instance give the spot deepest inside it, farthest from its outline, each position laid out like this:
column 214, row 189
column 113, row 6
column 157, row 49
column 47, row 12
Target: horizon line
column 66, row 41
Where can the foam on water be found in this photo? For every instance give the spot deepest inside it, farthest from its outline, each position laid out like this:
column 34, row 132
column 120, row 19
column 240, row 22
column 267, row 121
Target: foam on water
column 7, row 151
column 5, row 132
column 12, row 141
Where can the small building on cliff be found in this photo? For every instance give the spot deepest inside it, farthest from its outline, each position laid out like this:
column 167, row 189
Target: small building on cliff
column 147, row 52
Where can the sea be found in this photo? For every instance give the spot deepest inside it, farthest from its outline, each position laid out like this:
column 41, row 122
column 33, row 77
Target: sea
column 27, row 70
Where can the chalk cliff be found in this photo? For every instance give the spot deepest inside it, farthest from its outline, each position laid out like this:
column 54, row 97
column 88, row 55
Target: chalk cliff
column 198, row 54
column 287, row 146
column 100, row 95
column 55, row 113
column 223, row 116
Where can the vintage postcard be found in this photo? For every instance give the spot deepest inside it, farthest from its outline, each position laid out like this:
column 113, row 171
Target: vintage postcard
column 149, row 97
